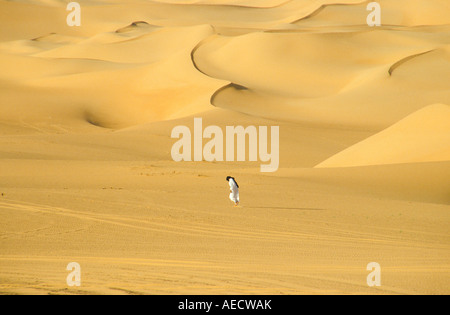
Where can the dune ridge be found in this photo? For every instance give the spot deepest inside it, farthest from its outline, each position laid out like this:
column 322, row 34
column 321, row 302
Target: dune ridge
column 306, row 95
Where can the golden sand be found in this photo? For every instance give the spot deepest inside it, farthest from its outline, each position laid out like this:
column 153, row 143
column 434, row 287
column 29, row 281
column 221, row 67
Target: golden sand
column 86, row 173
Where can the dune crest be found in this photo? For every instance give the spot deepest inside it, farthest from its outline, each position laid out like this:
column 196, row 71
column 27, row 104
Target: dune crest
column 133, row 26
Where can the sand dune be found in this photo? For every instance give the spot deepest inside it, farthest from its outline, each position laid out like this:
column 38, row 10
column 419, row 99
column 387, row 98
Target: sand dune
column 138, row 60
column 423, row 136
column 86, row 172
column 400, row 13
column 292, row 84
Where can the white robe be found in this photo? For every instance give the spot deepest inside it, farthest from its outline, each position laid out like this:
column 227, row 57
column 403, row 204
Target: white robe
column 234, row 191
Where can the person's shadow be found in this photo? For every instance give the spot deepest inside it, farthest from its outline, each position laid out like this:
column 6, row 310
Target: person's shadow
column 285, row 208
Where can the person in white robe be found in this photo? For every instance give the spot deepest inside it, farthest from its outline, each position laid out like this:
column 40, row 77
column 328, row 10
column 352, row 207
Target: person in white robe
column 234, row 190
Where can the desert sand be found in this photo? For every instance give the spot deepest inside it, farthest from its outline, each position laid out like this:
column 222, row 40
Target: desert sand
column 86, row 173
